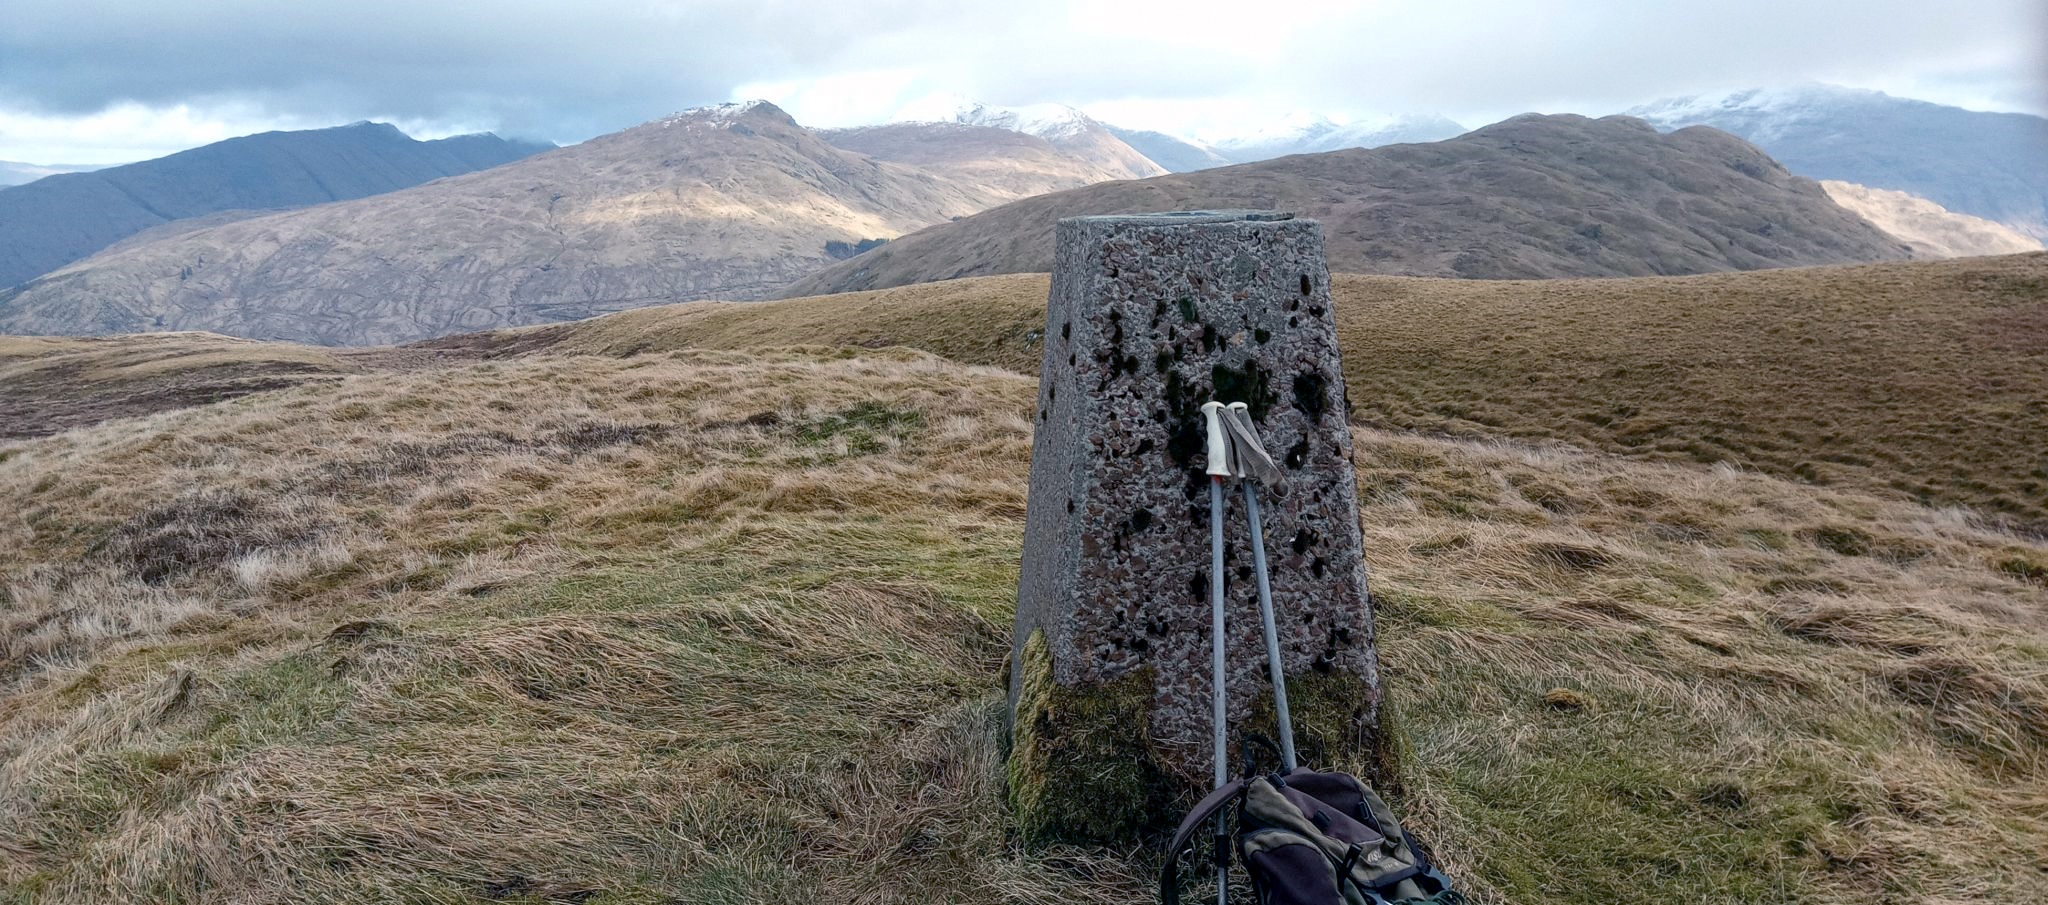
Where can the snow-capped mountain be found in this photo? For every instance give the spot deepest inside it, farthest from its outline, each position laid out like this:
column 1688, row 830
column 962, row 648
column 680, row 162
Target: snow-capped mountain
column 1047, row 121
column 1990, row 165
column 1309, row 133
column 1066, row 128
column 1074, row 130
column 1181, row 155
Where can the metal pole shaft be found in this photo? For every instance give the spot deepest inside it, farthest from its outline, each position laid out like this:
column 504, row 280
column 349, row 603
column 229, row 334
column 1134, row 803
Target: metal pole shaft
column 1251, row 508
column 1216, row 670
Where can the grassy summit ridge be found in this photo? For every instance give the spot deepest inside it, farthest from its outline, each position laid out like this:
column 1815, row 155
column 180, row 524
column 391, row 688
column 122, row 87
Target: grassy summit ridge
column 1928, row 379
column 714, row 626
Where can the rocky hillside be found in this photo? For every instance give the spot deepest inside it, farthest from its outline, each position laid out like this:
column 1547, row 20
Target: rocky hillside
column 1990, row 165
column 1535, row 196
column 59, row 219
column 724, row 202
column 1932, row 231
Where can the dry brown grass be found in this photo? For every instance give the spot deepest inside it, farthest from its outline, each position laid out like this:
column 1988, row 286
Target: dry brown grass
column 48, row 384
column 718, row 627
column 1926, row 379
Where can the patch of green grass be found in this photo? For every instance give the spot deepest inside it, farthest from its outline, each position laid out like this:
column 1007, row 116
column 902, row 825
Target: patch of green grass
column 866, row 428
column 1619, row 803
column 287, row 699
column 2023, row 565
column 1400, row 606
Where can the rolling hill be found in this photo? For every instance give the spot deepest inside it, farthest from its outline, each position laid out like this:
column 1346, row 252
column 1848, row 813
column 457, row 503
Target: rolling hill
column 529, row 616
column 59, row 219
column 1535, row 196
column 1990, row 165
column 725, row 202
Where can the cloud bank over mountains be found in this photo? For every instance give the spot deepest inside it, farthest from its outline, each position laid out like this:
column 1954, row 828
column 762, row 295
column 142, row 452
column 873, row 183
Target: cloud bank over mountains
column 160, row 73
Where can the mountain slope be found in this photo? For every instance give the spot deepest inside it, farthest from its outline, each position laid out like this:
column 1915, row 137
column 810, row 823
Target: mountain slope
column 1535, row 196
column 1011, row 164
column 1990, row 165
column 724, row 202
column 1311, row 134
column 1931, row 230
column 59, row 219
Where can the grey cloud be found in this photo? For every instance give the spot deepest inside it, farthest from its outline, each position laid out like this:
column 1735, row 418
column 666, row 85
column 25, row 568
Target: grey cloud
column 538, row 66
column 569, row 70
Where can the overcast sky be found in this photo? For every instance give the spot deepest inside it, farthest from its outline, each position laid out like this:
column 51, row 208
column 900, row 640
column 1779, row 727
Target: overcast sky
column 102, row 81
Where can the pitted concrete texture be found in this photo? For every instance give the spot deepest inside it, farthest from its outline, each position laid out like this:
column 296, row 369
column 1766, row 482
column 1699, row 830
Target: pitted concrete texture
column 1149, row 317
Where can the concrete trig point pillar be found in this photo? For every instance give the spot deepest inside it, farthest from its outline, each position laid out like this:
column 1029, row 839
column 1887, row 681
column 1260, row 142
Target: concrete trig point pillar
column 1152, row 315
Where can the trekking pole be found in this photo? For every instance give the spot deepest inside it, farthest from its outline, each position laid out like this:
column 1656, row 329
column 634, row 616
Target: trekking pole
column 1250, row 456
column 1219, row 468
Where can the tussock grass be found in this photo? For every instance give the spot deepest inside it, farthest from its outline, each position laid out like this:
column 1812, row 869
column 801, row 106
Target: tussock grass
column 713, row 626
column 48, row 384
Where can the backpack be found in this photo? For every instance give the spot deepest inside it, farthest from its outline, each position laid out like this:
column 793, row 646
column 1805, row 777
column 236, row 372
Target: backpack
column 1314, row 837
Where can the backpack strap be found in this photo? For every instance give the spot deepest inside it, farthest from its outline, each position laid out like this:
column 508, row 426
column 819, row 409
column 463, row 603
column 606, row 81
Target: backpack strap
column 1203, row 812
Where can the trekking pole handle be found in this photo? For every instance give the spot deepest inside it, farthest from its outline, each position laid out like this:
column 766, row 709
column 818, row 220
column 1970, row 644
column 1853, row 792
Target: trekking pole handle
column 1219, row 442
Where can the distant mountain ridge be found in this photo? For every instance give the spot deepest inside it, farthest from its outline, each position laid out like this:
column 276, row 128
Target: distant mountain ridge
column 1301, row 133
column 732, row 201
column 1534, row 196
column 1313, row 134
column 1989, row 165
column 1067, row 128
column 1178, row 155
column 17, row 173
column 1009, row 163
column 51, row 222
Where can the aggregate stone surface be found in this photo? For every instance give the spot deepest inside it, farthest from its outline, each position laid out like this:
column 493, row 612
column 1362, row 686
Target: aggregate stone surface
column 1149, row 317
